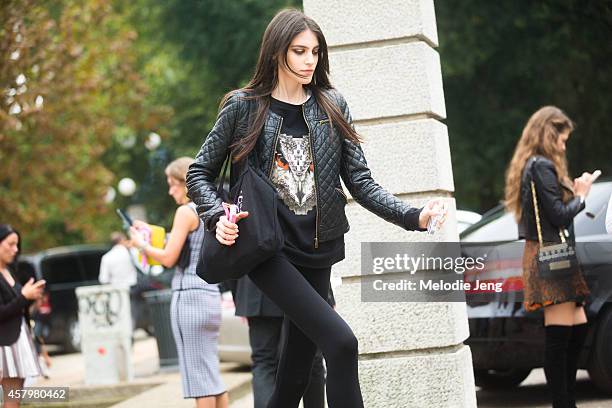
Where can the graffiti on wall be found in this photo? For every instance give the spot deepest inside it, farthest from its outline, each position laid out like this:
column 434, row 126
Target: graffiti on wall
column 102, row 309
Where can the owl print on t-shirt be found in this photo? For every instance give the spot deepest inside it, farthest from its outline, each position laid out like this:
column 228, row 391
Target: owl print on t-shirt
column 293, row 173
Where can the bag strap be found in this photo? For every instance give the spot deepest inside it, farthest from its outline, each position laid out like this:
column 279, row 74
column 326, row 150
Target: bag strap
column 224, row 172
column 537, row 215
column 226, row 195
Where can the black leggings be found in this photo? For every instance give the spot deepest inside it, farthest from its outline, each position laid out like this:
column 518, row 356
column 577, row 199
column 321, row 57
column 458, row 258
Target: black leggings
column 310, row 322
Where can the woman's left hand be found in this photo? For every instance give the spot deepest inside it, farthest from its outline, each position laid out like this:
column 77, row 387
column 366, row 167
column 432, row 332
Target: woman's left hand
column 433, row 208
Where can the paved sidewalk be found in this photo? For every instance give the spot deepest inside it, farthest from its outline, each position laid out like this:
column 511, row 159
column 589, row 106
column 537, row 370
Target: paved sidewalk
column 533, row 393
column 153, row 388
column 244, row 402
column 150, row 387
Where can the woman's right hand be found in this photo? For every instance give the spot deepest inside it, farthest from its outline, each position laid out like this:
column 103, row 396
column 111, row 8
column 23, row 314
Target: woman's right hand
column 33, row 290
column 582, row 184
column 139, row 224
column 227, row 231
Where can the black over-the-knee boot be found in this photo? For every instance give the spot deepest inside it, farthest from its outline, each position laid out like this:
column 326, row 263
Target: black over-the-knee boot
column 574, row 349
column 555, row 363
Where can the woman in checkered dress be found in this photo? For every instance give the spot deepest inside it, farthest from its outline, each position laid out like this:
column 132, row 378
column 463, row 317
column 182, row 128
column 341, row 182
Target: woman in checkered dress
column 195, row 311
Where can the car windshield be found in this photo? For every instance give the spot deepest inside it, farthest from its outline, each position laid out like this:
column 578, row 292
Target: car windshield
column 62, row 269
column 499, row 226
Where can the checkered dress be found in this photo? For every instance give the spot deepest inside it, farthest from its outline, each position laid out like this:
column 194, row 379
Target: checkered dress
column 196, row 318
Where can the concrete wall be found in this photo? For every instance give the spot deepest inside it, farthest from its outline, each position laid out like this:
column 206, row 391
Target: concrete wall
column 383, row 59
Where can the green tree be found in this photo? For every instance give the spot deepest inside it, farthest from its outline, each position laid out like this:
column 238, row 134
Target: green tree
column 69, row 83
column 190, row 53
column 196, row 51
column 501, row 61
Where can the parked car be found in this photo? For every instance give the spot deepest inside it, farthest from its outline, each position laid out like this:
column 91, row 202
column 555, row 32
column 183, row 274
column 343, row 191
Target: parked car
column 465, row 219
column 507, row 342
column 65, row 269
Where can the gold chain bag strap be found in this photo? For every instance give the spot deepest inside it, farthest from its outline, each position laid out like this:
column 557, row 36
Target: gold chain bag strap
column 557, row 260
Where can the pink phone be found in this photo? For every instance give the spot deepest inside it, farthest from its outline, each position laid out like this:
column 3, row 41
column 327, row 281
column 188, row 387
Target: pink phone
column 231, row 211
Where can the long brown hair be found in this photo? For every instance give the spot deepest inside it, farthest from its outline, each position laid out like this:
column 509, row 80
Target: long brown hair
column 274, row 46
column 539, row 137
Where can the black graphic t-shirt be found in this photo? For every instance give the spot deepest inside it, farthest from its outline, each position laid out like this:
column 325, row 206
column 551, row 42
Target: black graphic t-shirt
column 293, row 176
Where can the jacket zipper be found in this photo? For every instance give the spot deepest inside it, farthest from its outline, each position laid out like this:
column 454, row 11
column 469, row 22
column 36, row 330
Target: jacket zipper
column 314, row 166
column 280, row 127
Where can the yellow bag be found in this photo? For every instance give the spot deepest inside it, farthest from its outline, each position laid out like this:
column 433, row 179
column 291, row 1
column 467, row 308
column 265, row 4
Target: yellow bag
column 156, row 237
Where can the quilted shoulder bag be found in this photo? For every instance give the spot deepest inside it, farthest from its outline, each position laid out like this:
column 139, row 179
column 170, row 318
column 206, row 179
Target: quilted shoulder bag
column 557, row 260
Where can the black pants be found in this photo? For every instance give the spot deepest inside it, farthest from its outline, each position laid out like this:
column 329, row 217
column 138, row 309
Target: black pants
column 265, row 338
column 301, row 292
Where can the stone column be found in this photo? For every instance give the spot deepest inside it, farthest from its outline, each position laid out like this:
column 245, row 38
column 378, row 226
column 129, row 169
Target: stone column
column 383, row 60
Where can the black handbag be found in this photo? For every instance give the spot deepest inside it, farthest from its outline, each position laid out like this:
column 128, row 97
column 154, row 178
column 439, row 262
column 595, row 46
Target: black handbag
column 557, row 260
column 260, row 235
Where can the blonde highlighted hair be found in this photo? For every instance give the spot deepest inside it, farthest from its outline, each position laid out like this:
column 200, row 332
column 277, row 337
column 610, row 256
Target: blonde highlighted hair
column 540, row 137
column 177, row 169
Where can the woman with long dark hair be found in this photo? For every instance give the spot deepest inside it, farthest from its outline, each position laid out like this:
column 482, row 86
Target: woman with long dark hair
column 18, row 357
column 291, row 123
column 540, row 158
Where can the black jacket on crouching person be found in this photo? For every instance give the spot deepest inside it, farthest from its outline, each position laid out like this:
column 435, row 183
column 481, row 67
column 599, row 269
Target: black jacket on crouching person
column 334, row 157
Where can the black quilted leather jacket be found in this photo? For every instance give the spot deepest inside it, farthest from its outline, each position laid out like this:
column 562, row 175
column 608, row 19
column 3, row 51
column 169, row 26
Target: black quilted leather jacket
column 334, row 158
column 554, row 213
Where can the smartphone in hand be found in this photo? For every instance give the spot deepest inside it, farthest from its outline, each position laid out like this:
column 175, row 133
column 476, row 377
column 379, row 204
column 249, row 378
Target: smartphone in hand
column 127, row 220
column 595, row 175
column 434, row 222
